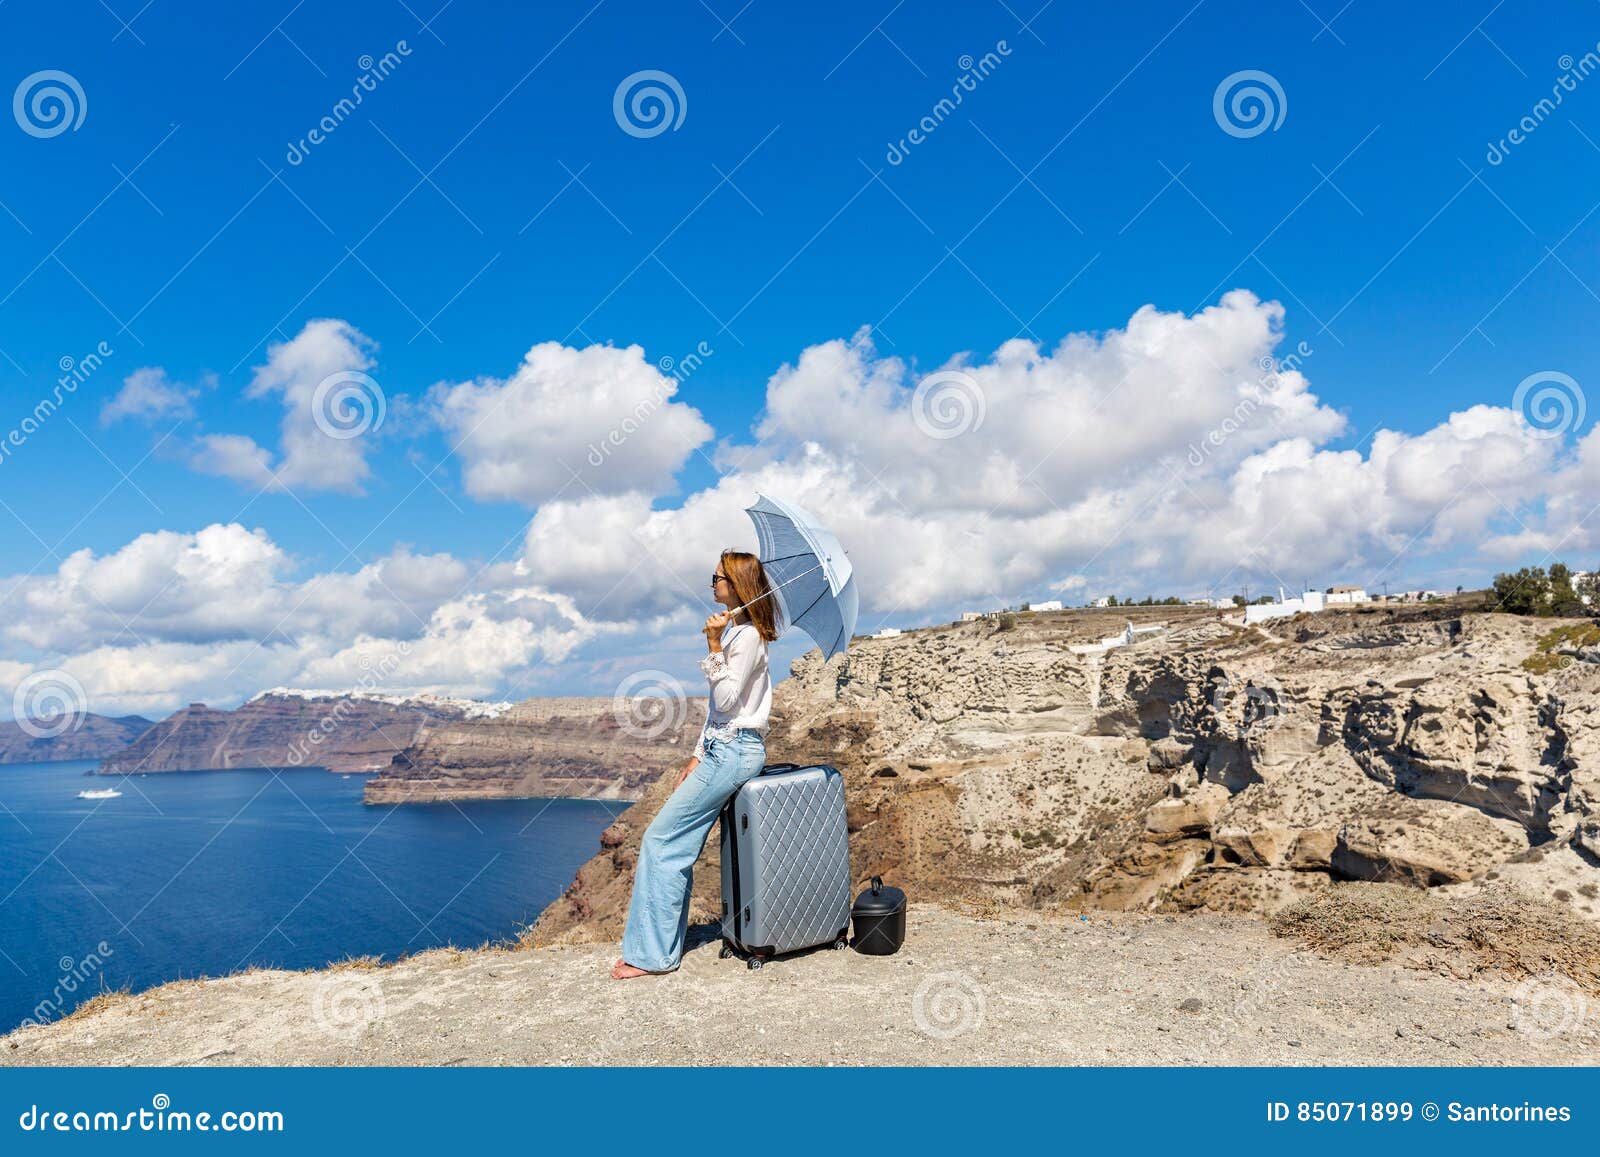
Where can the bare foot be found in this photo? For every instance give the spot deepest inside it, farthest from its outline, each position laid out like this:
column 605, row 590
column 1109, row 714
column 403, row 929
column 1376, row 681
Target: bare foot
column 622, row 970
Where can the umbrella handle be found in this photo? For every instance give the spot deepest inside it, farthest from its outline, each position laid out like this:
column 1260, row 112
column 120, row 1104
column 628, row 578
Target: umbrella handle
column 774, row 590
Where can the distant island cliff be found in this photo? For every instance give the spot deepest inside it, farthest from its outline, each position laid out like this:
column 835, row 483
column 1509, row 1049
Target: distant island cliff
column 417, row 748
column 284, row 728
column 94, row 737
column 567, row 747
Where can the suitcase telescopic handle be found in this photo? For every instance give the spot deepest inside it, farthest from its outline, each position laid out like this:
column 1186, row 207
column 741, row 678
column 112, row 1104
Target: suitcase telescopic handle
column 877, row 884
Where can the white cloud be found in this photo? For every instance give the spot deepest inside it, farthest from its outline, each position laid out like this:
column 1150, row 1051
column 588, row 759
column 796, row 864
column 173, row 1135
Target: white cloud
column 1174, row 455
column 1053, row 424
column 218, row 614
column 149, row 395
column 600, row 413
column 235, row 456
column 1569, row 528
column 332, row 414
column 213, row 585
column 1177, row 453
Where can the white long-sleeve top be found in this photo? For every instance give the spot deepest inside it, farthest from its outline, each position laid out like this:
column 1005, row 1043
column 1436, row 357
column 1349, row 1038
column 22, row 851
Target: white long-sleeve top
column 740, row 687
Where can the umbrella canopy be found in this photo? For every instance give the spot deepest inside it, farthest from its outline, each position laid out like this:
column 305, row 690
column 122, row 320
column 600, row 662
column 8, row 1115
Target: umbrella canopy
column 807, row 566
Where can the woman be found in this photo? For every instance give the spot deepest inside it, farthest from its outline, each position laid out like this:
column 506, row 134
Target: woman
column 730, row 752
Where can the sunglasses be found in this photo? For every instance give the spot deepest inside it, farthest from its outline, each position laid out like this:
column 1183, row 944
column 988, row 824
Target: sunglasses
column 718, row 578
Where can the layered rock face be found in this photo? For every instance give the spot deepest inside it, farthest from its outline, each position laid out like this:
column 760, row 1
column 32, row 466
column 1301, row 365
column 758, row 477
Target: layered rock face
column 964, row 755
column 95, row 737
column 574, row 747
column 1209, row 766
column 1354, row 746
column 426, row 749
column 341, row 733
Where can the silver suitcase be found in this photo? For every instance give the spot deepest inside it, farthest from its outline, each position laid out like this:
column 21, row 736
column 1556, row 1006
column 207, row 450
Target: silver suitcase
column 785, row 863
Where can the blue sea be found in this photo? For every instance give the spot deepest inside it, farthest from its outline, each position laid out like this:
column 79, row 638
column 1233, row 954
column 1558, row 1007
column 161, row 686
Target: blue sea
column 201, row 873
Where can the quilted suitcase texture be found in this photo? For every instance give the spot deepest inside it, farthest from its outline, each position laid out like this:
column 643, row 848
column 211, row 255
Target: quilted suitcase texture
column 785, row 863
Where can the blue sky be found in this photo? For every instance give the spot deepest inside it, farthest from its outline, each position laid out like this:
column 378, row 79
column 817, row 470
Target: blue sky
column 484, row 198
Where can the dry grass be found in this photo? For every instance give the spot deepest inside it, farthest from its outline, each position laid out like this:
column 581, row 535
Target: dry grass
column 98, row 1003
column 1499, row 931
column 354, row 964
column 1553, row 650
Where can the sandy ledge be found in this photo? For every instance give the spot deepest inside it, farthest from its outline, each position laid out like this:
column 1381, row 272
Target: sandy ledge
column 1117, row 989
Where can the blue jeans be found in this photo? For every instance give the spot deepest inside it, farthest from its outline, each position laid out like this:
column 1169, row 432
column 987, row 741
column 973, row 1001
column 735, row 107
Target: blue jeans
column 658, row 915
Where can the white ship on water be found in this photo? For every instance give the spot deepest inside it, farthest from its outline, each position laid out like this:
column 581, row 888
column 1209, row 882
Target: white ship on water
column 100, row 793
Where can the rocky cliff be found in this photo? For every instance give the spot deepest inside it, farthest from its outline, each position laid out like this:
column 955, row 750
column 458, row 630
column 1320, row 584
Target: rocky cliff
column 94, row 737
column 573, row 747
column 284, row 729
column 1205, row 767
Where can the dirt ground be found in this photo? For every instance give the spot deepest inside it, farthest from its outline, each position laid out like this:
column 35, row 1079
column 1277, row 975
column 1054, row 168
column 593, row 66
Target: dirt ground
column 1118, row 989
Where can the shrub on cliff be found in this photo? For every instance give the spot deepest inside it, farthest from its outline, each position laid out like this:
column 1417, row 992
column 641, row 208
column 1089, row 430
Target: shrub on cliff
column 1535, row 591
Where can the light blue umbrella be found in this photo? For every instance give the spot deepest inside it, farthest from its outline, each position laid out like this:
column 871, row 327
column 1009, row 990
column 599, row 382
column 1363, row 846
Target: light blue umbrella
column 808, row 568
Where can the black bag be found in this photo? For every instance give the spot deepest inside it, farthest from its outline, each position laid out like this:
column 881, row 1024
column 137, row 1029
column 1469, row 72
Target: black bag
column 879, row 916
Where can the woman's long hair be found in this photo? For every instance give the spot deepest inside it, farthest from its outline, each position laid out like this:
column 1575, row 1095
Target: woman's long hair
column 750, row 587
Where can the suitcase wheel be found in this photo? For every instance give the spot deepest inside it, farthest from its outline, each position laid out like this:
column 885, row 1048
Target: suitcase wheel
column 843, row 941
column 724, row 953
column 754, row 963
